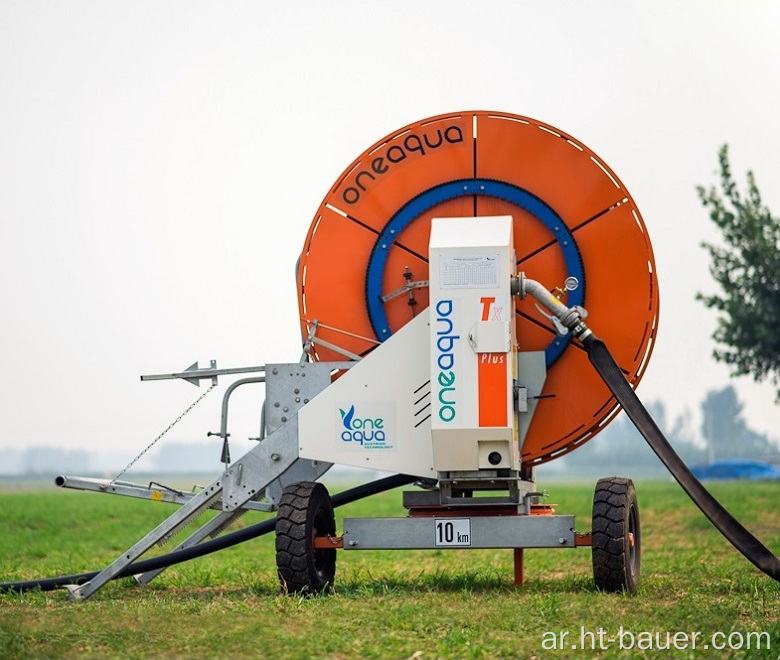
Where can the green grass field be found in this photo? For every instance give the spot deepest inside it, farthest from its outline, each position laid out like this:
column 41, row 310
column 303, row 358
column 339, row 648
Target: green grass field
column 420, row 604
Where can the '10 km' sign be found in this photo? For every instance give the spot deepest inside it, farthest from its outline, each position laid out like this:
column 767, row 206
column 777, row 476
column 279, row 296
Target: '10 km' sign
column 452, row 531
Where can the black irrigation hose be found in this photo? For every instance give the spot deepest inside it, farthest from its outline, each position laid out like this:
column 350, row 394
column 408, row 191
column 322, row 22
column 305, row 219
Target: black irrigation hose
column 724, row 522
column 220, row 543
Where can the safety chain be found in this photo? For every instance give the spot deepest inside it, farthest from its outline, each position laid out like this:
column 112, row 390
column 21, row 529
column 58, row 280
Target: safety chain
column 157, row 439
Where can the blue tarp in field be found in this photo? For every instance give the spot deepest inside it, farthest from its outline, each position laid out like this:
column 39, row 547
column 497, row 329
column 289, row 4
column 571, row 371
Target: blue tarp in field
column 736, row 468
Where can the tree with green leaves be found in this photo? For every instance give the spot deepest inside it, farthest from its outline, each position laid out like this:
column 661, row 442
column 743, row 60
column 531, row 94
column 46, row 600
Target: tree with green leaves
column 746, row 266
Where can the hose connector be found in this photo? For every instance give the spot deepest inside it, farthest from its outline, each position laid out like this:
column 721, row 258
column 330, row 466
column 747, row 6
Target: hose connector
column 564, row 319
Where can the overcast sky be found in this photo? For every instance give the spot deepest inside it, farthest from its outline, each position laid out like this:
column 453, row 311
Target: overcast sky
column 161, row 162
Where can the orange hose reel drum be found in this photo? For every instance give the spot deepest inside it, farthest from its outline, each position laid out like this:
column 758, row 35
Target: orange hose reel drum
column 572, row 216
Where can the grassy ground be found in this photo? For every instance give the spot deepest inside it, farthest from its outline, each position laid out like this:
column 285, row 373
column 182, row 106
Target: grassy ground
column 422, row 604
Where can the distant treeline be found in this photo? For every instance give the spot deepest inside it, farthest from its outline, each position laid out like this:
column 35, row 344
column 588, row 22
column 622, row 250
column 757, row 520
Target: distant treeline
column 617, row 450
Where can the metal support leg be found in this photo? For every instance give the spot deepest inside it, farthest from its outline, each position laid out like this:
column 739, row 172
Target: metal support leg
column 212, row 527
column 191, row 509
column 519, row 568
column 240, row 483
column 289, row 387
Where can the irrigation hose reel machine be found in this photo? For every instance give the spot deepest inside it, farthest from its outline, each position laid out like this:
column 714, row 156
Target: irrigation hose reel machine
column 442, row 291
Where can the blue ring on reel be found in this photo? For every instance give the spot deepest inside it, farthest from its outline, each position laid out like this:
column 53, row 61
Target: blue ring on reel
column 464, row 188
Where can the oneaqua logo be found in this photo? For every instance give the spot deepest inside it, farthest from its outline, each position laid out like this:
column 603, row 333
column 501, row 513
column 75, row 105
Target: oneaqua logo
column 445, row 360
column 368, row 431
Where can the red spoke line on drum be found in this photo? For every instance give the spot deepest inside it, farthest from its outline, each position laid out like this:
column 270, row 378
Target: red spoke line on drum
column 374, row 231
column 572, row 230
column 474, row 140
column 543, row 326
column 535, row 321
column 410, row 251
column 362, row 224
column 576, row 344
column 554, row 242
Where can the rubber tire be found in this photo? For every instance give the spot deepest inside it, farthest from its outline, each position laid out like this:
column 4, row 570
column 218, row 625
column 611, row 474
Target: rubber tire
column 616, row 562
column 305, row 511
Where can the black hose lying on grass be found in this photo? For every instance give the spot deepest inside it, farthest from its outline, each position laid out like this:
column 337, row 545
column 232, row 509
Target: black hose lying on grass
column 750, row 547
column 220, row 543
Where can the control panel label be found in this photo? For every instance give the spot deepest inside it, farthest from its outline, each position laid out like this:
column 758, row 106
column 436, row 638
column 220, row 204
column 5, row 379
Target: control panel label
column 469, row 271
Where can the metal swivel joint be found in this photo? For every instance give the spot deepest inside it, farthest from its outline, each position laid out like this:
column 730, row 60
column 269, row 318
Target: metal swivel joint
column 565, row 319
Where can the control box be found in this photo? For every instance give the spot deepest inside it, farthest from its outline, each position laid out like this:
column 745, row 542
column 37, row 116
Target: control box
column 472, row 342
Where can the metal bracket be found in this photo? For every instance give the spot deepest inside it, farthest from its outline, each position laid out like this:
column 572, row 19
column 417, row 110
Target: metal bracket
column 130, row 489
column 193, row 374
column 312, row 339
column 409, row 286
column 453, row 531
column 242, row 482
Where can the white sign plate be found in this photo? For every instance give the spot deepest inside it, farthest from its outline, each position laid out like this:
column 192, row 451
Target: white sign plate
column 450, row 532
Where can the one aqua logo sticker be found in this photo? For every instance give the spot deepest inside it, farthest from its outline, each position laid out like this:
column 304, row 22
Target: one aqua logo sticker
column 445, row 361
column 370, row 432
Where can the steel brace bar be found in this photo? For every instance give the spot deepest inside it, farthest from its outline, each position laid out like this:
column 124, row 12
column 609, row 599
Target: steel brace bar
column 160, row 493
column 239, row 484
